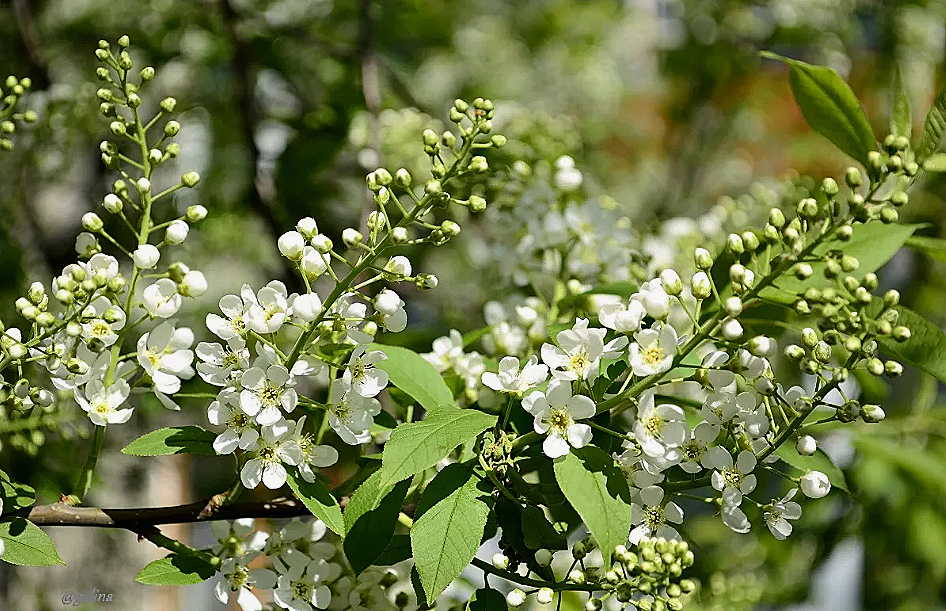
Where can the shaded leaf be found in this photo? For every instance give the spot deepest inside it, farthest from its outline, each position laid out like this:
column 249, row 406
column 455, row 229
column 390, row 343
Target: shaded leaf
column 173, row 440
column 933, row 128
column 935, row 163
column 901, row 118
column 487, row 599
column 370, row 519
column 176, row 570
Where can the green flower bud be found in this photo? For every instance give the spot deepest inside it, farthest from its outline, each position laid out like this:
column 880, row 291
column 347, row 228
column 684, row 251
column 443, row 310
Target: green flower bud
column 770, row 233
column 352, row 237
column 776, row 218
column 190, row 179
column 402, row 178
column 809, row 337
column 461, row 105
column 479, row 164
column 872, row 414
column 750, row 240
column 399, row 235
column 875, row 367
column 891, row 298
column 895, row 163
column 168, row 104
column 703, row 259
column 147, row 73
column 809, row 366
column 832, row 269
column 911, row 168
column 476, row 203
column 172, row 128
column 829, row 186
column 172, row 150
column 433, row 186
column 899, row 198
column 734, row 244
column 853, row 177
column 901, row 333
column 498, row 141
column 101, row 54
column 803, row 271
column 808, row 208
column 794, row 352
column 195, row 213
column 449, row 139
column 849, row 263
column 893, row 369
column 822, row 352
column 118, row 128
column 700, row 285
column 852, row 344
column 889, row 215
column 456, row 116
column 91, row 222
column 430, row 138
column 124, row 61
column 450, row 228
column 884, row 327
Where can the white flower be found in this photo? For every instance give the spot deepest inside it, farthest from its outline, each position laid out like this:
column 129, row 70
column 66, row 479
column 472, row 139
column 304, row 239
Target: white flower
column 651, row 519
column 778, row 513
column 653, row 350
column 659, row 428
column 555, row 412
column 103, row 402
column 446, row 351
column 654, row 298
column 622, row 318
column 579, row 353
column 693, row 451
column 222, row 366
column 352, row 315
column 307, row 307
column 815, row 484
column 87, row 245
column 268, row 313
column 391, row 307
column 165, row 355
column 274, row 450
column 721, row 407
column 234, row 308
column 720, row 378
column 291, row 244
column 732, row 480
column 264, row 392
column 236, row 577
column 299, row 586
column 102, row 267
column 238, row 539
column 313, row 455
column 510, row 379
column 146, row 256
column 398, row 267
column 161, row 299
column 241, row 432
column 350, row 414
column 362, row 375
column 97, row 327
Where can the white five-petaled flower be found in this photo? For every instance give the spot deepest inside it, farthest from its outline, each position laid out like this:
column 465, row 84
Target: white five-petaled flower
column 733, row 480
column 659, row 428
column 555, row 412
column 445, row 351
column 299, row 586
column 362, row 375
column 234, row 308
column 238, row 539
column 350, row 414
column 653, row 350
column 735, row 518
column 273, row 450
column 266, row 391
column 268, row 312
column 161, row 299
column 313, row 455
column 620, row 317
column 241, row 432
column 778, row 514
column 510, row 379
column 693, row 451
column 97, row 327
column 103, row 402
column 650, row 520
column 237, row 578
column 222, row 365
column 165, row 355
column 578, row 354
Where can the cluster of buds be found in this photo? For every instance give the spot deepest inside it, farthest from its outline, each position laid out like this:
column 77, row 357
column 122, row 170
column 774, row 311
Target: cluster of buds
column 11, row 93
column 650, row 579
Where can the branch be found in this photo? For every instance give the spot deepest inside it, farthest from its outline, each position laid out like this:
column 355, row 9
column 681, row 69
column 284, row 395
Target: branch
column 61, row 514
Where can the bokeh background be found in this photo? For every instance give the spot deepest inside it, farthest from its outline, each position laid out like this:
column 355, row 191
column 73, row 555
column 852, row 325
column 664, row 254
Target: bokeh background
column 665, row 106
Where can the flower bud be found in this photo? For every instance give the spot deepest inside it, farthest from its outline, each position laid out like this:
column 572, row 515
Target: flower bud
column 196, row 213
column 891, row 297
column 476, row 203
column 314, row 263
column 803, row 271
column 134, row 100
column 397, row 267
column 750, row 241
column 872, row 414
column 544, row 595
column 700, row 285
column 402, row 178
column 889, row 215
column 794, row 352
column 498, row 141
column 899, row 198
column 146, row 256
column 734, row 244
column 387, row 302
column 450, row 228
column 194, row 284
column 815, row 484
column 829, row 186
column 763, row 346
column 168, row 104
column 737, row 272
column 822, row 352
column 479, row 164
column 853, row 177
column 321, row 243
column 112, row 203
column 500, row 561
column 426, row 281
column 515, row 598
column 809, row 337
column 433, row 186
column 593, row 604
column 901, row 333
column 671, row 283
column 291, row 244
column 430, row 138
column 352, row 237
column 307, row 307
column 733, row 306
column 399, row 235
column 176, row 232
column 731, row 328
column 190, row 179
column 307, row 227
column 172, row 128
column 776, row 218
column 807, row 208
column 92, row 222
column 806, row 445
column 703, row 259
column 893, row 369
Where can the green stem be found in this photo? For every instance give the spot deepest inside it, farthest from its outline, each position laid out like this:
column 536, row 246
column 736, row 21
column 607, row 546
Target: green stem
column 84, row 482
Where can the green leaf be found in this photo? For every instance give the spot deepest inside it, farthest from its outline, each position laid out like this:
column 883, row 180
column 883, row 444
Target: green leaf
column 176, row 570
column 173, row 440
column 370, row 519
column 901, row 118
column 15, row 495
column 397, row 550
column 818, row 461
column 487, row 599
column 830, row 107
column 872, row 244
column 926, row 347
column 935, row 163
column 27, row 545
column 933, row 129
column 419, row 445
column 538, row 532
column 935, row 248
column 597, row 489
column 923, row 466
column 411, row 373
column 318, row 499
column 447, row 534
